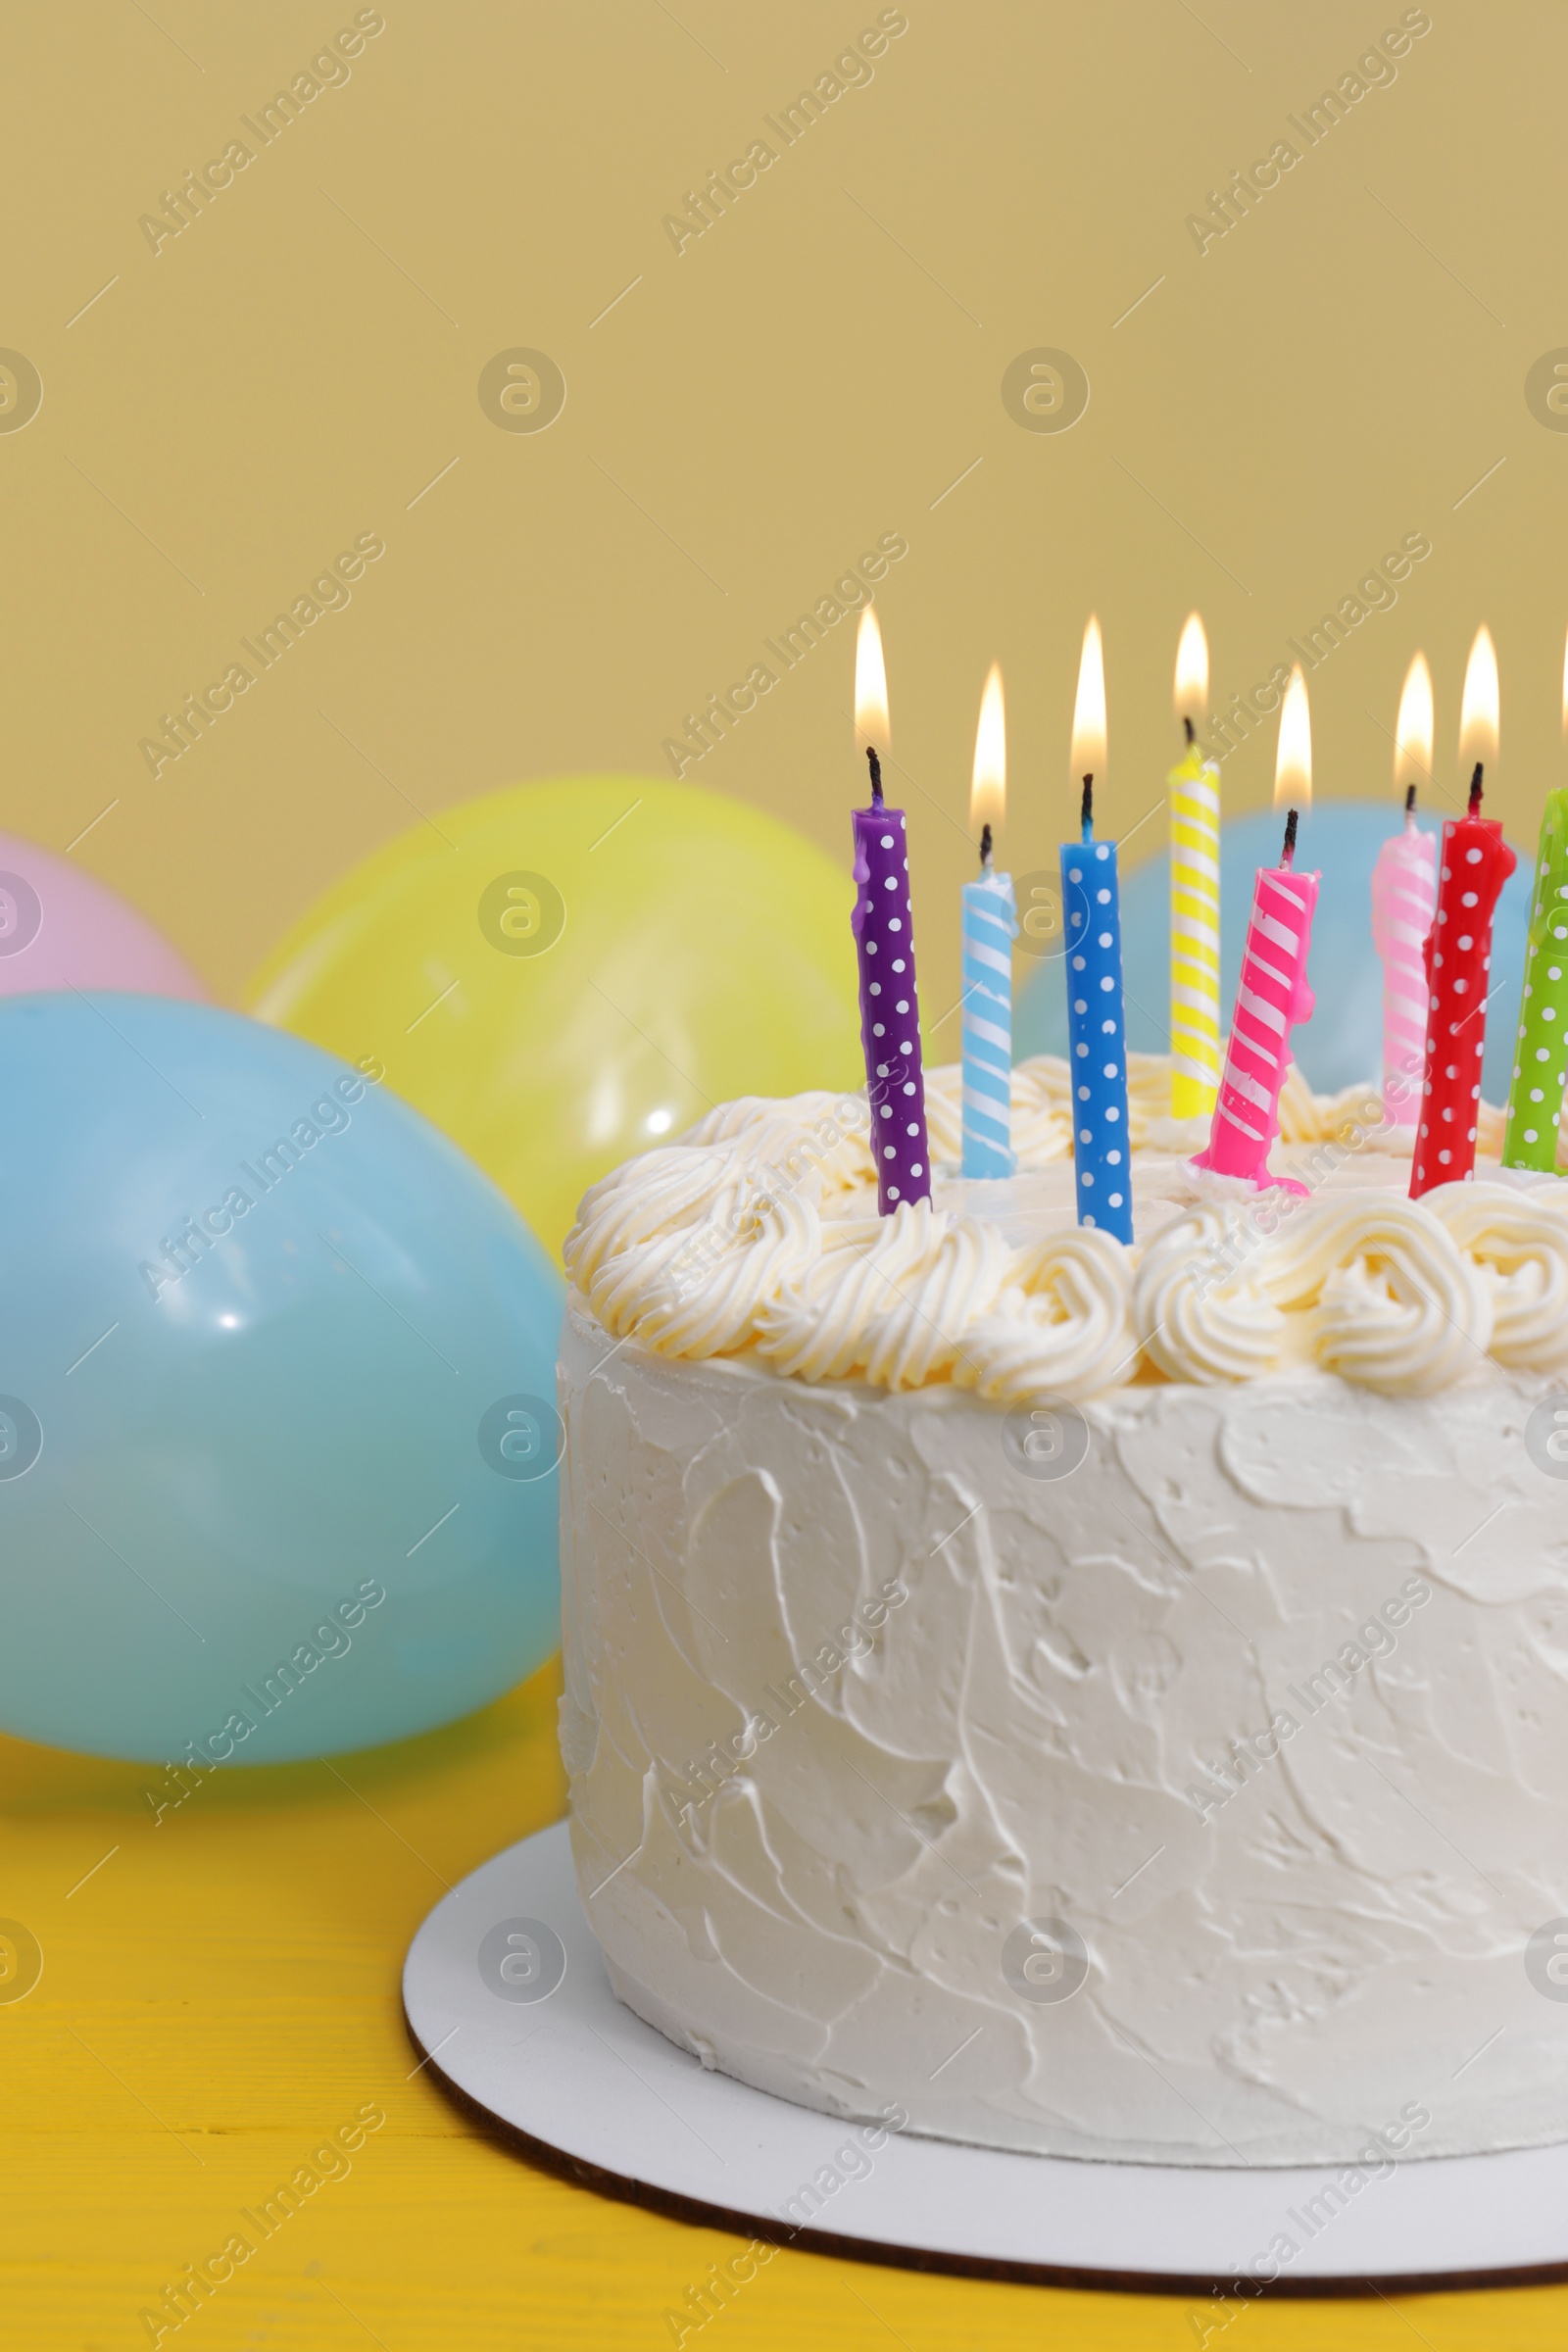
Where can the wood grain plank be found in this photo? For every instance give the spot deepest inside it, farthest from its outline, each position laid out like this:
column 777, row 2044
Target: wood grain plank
column 222, row 1994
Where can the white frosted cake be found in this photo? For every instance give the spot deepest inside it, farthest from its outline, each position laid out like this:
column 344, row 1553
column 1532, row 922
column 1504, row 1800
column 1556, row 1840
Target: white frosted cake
column 1104, row 1702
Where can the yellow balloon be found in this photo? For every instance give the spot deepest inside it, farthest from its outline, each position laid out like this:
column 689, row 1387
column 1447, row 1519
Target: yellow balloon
column 561, row 974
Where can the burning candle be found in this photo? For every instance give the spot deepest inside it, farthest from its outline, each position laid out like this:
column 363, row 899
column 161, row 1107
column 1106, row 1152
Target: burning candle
column 1273, row 992
column 990, row 927
column 1474, row 865
column 884, row 938
column 1535, row 1097
column 1193, row 787
column 1096, row 1043
column 1405, row 894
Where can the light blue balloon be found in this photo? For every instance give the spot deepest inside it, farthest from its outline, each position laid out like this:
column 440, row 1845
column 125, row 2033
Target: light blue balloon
column 1343, row 1043
column 270, row 1346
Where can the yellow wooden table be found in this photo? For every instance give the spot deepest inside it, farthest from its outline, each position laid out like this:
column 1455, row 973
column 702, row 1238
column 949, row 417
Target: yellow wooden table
column 219, row 2003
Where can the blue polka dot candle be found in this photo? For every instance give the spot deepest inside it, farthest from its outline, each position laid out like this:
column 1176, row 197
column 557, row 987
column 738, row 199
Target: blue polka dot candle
column 1096, row 1029
column 990, row 927
column 884, row 938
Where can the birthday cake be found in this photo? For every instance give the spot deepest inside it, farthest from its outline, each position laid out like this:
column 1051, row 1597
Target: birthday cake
column 1099, row 1698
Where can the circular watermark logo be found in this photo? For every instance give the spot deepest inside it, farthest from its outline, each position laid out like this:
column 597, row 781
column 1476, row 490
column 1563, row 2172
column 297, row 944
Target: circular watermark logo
column 21, row 1436
column 21, row 391
column 1044, row 1440
column 20, row 913
column 1045, row 1960
column 523, row 1960
column 521, row 390
column 1045, row 391
column 20, row 1960
column 1547, row 1435
column 1041, row 930
column 1547, row 1960
column 522, row 1436
column 522, row 913
column 1546, row 391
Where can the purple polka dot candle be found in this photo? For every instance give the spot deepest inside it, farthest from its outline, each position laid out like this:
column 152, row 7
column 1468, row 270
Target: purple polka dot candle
column 884, row 938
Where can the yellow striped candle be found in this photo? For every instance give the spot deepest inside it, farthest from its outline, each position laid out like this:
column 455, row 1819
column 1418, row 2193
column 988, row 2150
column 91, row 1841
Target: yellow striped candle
column 1193, row 791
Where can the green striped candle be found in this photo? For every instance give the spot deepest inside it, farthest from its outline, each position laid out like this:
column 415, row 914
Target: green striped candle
column 1541, row 1058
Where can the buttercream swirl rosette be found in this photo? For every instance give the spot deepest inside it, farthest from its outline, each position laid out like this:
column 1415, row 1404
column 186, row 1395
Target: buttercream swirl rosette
column 756, row 1232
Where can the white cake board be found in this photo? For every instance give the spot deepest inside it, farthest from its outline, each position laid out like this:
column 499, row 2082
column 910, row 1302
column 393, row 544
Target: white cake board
column 592, row 2090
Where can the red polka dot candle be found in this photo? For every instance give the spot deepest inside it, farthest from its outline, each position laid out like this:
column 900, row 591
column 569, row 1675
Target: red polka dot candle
column 1474, row 863
column 884, row 938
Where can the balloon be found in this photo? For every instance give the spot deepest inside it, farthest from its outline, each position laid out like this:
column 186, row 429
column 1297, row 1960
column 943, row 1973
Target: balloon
column 1343, row 1043
column 562, row 973
column 59, row 928
column 276, row 1450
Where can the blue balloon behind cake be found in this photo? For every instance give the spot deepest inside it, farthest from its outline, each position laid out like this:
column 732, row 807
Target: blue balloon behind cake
column 1342, row 1043
column 276, row 1376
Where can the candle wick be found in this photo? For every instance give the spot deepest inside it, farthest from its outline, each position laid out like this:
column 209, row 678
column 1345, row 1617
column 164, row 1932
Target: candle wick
column 1475, row 790
column 1087, row 812
column 1287, row 855
column 1191, row 732
column 985, row 849
column 1409, row 806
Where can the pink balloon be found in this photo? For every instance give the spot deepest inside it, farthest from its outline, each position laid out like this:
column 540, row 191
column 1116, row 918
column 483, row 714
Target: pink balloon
column 59, row 928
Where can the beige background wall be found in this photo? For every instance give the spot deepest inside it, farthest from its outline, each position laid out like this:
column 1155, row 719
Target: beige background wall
column 300, row 364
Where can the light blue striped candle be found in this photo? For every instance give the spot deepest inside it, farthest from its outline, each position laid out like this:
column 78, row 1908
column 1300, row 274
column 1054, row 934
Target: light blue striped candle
column 1096, row 1034
column 990, row 927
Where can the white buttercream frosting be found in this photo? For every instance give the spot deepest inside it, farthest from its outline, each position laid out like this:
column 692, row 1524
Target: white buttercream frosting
column 757, row 1231
column 1201, row 1307
column 1060, row 1327
column 1267, row 1701
column 1516, row 1244
column 962, row 1588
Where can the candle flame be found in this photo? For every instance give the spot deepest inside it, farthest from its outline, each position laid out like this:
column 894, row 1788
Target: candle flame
column 988, row 793
column 1412, row 740
column 1192, row 671
column 1293, row 766
column 870, row 686
column 1478, row 713
column 1089, row 711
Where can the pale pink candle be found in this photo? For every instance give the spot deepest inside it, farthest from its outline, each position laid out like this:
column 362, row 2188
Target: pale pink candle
column 1405, row 900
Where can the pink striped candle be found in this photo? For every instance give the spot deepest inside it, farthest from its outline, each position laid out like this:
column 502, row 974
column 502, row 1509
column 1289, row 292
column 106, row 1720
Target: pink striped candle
column 1272, row 995
column 1404, row 898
